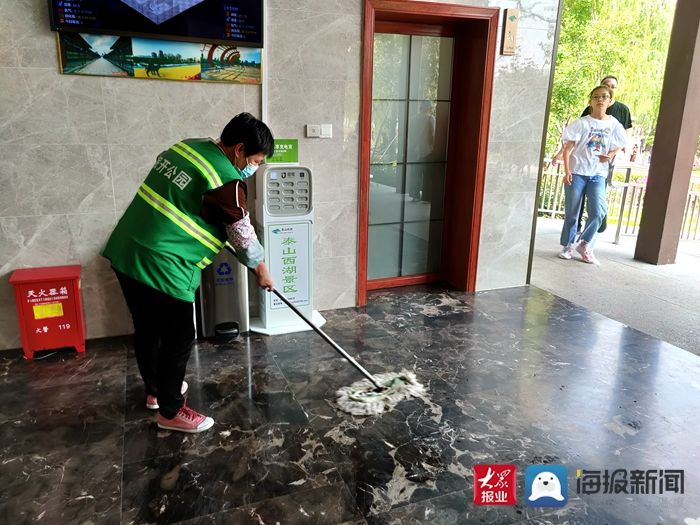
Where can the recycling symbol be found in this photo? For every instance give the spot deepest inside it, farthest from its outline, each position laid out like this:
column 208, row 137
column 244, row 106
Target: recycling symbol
column 224, row 269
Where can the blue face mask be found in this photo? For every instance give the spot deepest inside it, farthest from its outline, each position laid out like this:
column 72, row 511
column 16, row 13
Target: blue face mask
column 249, row 170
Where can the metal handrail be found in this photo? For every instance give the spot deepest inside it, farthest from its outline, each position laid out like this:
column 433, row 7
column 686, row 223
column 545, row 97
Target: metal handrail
column 625, row 203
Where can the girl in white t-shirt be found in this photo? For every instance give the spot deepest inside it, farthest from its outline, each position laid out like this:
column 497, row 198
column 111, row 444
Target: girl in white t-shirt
column 589, row 144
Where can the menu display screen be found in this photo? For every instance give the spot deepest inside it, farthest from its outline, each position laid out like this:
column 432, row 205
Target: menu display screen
column 220, row 21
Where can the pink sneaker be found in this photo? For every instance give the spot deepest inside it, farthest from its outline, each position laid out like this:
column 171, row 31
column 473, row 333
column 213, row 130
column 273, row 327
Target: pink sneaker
column 152, row 401
column 186, row 420
column 586, row 253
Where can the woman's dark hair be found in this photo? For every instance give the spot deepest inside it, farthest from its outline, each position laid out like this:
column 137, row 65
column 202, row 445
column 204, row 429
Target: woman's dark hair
column 254, row 134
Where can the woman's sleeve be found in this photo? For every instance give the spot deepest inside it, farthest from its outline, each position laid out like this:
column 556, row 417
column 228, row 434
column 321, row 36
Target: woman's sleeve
column 572, row 131
column 227, row 206
column 241, row 235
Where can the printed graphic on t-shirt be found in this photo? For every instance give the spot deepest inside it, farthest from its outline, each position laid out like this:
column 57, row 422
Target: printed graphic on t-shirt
column 596, row 139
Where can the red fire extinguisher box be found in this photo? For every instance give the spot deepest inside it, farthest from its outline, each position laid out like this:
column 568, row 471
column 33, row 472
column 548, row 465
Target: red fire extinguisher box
column 49, row 308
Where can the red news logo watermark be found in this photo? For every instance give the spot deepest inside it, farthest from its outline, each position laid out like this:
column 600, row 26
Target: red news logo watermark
column 494, row 485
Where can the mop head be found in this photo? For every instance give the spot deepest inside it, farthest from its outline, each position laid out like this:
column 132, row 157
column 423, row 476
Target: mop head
column 362, row 398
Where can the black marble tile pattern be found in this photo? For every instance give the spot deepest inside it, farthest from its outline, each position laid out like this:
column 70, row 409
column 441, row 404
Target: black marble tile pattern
column 514, row 376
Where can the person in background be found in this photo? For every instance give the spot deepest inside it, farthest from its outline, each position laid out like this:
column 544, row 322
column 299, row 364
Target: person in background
column 622, row 113
column 589, row 144
column 422, row 127
column 191, row 203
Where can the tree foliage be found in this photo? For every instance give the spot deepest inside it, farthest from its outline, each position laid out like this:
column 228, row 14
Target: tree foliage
column 625, row 38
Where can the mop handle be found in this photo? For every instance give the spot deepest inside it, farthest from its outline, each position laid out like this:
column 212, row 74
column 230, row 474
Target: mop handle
column 328, row 339
column 320, row 332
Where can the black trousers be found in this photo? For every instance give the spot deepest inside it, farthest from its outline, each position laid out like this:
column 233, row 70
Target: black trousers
column 163, row 338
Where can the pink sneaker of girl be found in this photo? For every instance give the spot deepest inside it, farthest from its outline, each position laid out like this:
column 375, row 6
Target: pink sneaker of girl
column 586, row 253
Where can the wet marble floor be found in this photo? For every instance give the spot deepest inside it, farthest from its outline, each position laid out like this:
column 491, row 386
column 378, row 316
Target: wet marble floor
column 514, row 376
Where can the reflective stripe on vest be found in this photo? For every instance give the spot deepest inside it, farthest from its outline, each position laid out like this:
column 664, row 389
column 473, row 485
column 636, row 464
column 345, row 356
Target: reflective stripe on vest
column 199, row 162
column 179, row 218
column 206, row 261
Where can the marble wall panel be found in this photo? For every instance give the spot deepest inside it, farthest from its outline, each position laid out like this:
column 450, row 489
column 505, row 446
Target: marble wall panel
column 42, row 107
column 143, row 112
column 335, row 229
column 517, row 114
column 335, row 281
column 335, row 170
column 25, row 39
column 345, row 7
column 294, row 103
column 9, row 51
column 512, row 167
column 505, row 243
column 252, row 99
column 314, row 45
column 54, row 179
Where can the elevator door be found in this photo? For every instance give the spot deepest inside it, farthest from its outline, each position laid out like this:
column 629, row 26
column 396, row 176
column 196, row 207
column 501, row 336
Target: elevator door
column 411, row 84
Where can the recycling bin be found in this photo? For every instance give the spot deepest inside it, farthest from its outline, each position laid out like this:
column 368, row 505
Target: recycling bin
column 222, row 299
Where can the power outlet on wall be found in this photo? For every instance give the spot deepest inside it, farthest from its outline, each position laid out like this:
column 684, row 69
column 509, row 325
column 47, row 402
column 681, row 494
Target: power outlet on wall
column 313, row 130
column 319, row 131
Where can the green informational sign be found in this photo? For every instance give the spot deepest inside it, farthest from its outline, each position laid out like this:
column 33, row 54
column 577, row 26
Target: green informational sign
column 286, row 152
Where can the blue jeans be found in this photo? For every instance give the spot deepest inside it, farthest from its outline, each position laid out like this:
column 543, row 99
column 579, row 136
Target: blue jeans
column 594, row 190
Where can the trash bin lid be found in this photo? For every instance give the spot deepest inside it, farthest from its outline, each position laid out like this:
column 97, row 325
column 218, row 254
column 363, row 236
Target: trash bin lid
column 228, row 330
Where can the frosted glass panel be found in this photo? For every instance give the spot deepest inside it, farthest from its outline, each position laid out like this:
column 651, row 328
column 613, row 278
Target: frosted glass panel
column 384, row 251
column 388, row 132
column 422, row 243
column 386, row 199
column 431, row 68
column 428, row 126
column 390, row 76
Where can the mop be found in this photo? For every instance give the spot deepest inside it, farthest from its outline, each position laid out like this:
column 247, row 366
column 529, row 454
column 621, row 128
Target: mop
column 376, row 393
column 372, row 395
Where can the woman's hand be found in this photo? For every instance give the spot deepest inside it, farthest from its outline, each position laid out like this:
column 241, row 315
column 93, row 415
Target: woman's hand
column 263, row 277
column 568, row 179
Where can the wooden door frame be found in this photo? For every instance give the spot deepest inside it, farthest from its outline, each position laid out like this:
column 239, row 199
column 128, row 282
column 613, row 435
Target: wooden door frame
column 475, row 30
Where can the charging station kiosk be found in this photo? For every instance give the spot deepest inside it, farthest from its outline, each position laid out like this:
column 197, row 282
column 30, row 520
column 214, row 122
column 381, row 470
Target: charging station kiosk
column 284, row 214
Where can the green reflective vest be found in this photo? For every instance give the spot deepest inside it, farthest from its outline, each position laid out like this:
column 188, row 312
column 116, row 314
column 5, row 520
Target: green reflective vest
column 161, row 240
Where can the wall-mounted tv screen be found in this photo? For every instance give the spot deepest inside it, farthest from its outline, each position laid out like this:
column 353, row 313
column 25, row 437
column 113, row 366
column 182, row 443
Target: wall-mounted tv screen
column 216, row 21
